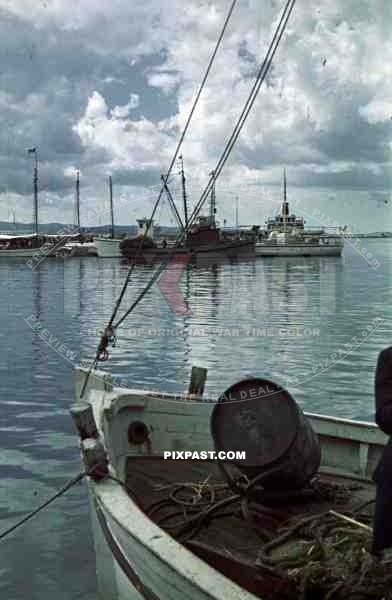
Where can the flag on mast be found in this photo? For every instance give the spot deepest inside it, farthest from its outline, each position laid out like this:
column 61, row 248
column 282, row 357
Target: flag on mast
column 31, row 150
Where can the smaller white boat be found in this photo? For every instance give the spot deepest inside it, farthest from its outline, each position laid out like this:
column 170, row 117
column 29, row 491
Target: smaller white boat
column 71, row 249
column 107, row 247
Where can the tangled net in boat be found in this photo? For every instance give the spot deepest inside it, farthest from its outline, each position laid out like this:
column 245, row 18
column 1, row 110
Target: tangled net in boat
column 326, row 558
column 321, row 557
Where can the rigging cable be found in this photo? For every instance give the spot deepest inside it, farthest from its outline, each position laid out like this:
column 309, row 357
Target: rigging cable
column 108, row 335
column 263, row 72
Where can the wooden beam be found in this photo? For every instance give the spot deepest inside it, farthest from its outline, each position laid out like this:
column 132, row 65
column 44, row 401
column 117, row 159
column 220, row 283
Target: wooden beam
column 198, row 380
column 83, row 417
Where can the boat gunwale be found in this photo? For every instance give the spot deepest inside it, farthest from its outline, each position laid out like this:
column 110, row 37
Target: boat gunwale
column 108, row 401
column 164, row 547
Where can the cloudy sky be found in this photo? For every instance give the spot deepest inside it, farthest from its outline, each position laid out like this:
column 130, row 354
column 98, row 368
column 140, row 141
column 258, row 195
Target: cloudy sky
column 106, row 88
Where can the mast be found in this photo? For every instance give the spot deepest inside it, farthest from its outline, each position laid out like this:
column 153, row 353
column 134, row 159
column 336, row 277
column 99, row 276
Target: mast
column 236, row 211
column 184, row 198
column 77, row 200
column 285, row 204
column 212, row 201
column 111, row 207
column 36, row 195
column 35, row 185
column 172, row 204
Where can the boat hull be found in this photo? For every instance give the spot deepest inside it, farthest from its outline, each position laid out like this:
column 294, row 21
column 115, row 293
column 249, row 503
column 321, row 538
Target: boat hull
column 298, row 250
column 77, row 250
column 227, row 250
column 107, row 247
column 36, row 253
column 138, row 560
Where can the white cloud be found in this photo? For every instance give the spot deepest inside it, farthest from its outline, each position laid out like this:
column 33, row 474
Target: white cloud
column 377, row 111
column 130, row 144
column 330, row 83
column 71, row 172
column 121, row 112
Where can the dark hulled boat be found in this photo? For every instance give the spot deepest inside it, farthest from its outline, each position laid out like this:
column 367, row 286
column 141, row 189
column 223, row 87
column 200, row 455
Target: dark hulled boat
column 202, row 238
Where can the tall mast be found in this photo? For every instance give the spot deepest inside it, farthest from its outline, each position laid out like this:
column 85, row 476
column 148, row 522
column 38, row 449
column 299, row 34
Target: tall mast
column 285, row 205
column 35, row 185
column 212, row 201
column 184, row 198
column 77, row 201
column 236, row 211
column 111, row 207
column 36, row 195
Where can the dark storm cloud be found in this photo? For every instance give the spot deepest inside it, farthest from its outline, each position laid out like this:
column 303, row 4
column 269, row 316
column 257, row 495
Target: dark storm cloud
column 139, row 177
column 358, row 140
column 17, row 177
column 47, row 77
column 353, row 178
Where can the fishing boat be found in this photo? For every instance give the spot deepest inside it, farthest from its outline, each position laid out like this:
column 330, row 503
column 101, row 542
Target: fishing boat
column 144, row 548
column 31, row 245
column 108, row 246
column 81, row 242
column 285, row 235
column 199, row 238
column 34, row 245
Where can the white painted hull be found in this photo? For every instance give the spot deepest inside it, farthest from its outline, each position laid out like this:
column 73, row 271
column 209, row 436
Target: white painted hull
column 298, row 250
column 107, row 247
column 78, row 249
column 136, row 559
column 37, row 253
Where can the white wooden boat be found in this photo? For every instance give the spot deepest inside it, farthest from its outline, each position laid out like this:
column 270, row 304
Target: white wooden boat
column 135, row 557
column 30, row 245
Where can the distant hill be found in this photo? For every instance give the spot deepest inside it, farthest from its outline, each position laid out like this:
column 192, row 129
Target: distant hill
column 130, row 230
column 53, row 228
column 376, row 234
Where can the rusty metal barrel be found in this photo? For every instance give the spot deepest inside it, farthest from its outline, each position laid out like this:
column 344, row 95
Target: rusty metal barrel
column 260, row 418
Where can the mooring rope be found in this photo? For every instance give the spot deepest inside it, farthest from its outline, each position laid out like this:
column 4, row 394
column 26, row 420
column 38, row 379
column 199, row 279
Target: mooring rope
column 332, row 560
column 70, row 484
column 37, row 510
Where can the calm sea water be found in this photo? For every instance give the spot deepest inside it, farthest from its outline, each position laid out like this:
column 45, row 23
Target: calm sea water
column 314, row 325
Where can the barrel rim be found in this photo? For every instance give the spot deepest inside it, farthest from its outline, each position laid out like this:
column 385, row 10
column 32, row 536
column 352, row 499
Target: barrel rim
column 213, row 418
